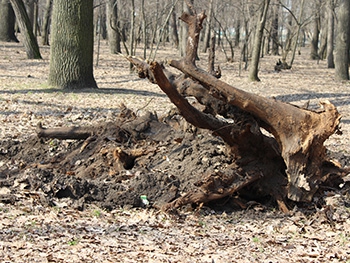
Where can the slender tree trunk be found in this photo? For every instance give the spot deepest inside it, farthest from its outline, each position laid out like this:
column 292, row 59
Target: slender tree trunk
column 162, row 31
column 7, row 22
column 144, row 29
column 30, row 6
column 322, row 50
column 173, row 29
column 184, row 28
column 36, row 28
column 298, row 33
column 132, row 32
column 237, row 32
column 253, row 71
column 132, row 29
column 315, row 37
column 29, row 40
column 208, row 27
column 330, row 33
column 113, row 31
column 342, row 41
column 46, row 22
column 71, row 52
column 274, row 30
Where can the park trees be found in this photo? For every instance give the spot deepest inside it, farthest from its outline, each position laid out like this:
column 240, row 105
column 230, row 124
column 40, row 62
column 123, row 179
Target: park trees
column 71, row 53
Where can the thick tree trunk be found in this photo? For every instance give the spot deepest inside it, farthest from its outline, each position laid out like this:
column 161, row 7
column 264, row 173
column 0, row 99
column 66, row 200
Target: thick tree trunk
column 342, row 41
column 71, row 53
column 7, row 24
column 30, row 42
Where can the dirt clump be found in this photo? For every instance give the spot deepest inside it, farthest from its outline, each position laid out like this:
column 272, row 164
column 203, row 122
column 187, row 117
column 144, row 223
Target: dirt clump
column 164, row 159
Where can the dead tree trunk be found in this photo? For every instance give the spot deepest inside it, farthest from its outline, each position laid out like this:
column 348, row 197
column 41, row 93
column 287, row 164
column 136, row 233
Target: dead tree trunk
column 297, row 147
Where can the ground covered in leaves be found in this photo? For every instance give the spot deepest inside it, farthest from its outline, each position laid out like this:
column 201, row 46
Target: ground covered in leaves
column 70, row 201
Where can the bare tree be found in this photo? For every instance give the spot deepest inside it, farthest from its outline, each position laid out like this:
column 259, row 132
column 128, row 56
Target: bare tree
column 330, row 33
column 253, row 71
column 316, row 31
column 274, row 28
column 173, row 29
column 30, row 41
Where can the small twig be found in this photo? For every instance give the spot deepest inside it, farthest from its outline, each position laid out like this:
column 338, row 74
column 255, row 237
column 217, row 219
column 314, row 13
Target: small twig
column 137, row 111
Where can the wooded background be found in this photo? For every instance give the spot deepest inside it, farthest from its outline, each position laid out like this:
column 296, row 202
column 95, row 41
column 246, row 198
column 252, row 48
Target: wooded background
column 235, row 25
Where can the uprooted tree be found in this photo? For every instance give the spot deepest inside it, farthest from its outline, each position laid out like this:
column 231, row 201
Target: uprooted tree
column 292, row 163
column 289, row 161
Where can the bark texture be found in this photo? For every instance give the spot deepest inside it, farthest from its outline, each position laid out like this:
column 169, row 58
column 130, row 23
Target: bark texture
column 71, row 57
column 29, row 40
column 342, row 41
column 330, row 33
column 46, row 22
column 7, row 24
column 112, row 27
column 253, row 71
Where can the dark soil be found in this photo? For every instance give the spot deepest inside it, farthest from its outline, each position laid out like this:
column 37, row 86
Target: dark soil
column 173, row 157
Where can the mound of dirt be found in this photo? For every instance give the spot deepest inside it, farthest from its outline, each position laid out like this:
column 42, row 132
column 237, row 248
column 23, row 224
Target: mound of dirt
column 164, row 157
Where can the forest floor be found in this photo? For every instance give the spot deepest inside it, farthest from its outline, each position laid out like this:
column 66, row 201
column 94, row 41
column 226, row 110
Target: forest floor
column 91, row 213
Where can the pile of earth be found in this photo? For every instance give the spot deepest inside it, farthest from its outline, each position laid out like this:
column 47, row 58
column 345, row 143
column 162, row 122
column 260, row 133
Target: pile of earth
column 119, row 164
column 168, row 157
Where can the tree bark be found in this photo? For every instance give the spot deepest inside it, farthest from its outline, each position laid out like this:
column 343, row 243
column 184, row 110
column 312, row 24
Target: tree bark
column 274, row 30
column 132, row 29
column 113, row 33
column 184, row 28
column 29, row 40
column 46, row 22
column 315, row 36
column 208, row 27
column 342, row 41
column 253, row 71
column 71, row 53
column 173, row 30
column 330, row 33
column 7, row 23
column 30, row 5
